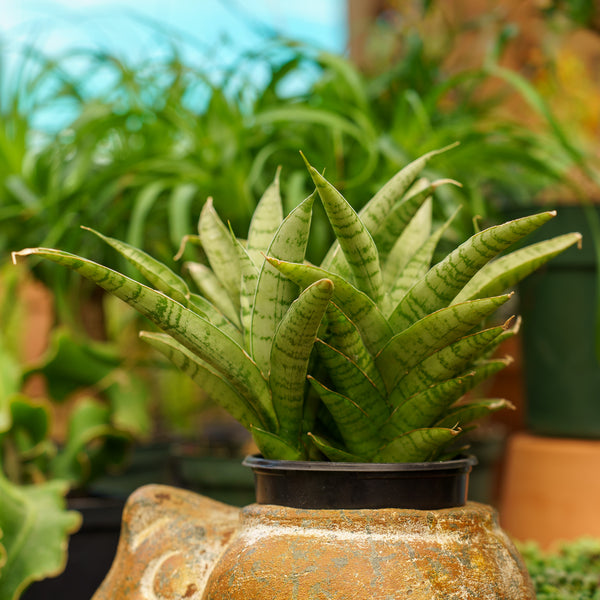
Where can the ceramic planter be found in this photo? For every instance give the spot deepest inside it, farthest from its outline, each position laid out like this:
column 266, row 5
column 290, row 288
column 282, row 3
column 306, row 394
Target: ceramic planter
column 176, row 544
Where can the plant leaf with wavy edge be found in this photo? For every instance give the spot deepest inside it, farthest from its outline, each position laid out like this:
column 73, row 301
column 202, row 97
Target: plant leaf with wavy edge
column 343, row 335
column 430, row 334
column 445, row 280
column 216, row 385
column 506, row 271
column 415, row 234
column 274, row 292
column 272, row 446
column 353, row 237
column 462, row 415
column 220, row 250
column 418, row 266
column 290, row 353
column 212, row 289
column 358, row 428
column 374, row 213
column 419, row 445
column 447, row 363
column 266, row 219
column 158, row 274
column 332, row 452
column 35, row 529
column 188, row 328
column 355, row 304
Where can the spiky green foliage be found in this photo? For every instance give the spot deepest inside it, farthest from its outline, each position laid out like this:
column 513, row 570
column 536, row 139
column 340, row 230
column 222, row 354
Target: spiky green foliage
column 365, row 358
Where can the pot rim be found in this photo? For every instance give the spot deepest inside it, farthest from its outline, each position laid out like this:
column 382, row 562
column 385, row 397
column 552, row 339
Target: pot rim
column 464, row 462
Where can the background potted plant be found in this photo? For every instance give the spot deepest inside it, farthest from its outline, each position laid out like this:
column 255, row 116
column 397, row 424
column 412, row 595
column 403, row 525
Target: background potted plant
column 400, row 341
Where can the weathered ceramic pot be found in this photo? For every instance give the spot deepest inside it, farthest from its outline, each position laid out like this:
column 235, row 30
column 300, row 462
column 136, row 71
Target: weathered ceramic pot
column 176, row 544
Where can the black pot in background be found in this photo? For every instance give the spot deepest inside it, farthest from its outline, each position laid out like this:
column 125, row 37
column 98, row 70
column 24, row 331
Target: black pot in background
column 559, row 306
column 335, row 485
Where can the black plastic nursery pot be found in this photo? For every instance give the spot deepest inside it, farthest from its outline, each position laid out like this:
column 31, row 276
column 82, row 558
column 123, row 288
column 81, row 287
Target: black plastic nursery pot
column 340, row 485
column 559, row 304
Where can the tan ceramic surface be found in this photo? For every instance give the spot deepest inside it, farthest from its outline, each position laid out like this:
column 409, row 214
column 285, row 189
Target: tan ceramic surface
column 178, row 545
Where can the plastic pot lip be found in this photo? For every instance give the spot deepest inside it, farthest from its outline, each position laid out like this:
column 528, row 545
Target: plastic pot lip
column 463, row 463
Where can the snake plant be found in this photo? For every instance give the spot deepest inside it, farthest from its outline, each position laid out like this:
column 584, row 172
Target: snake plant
column 365, row 358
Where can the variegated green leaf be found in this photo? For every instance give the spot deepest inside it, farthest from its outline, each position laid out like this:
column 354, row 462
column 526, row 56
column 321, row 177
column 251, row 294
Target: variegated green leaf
column 266, row 219
column 358, row 429
column 507, row 271
column 473, row 411
column 431, row 334
column 351, row 381
column 212, row 289
column 158, row 274
column 333, row 452
column 353, row 237
column 200, row 305
column 356, row 305
column 445, row 280
column 221, row 251
column 415, row 234
column 401, row 214
column 343, row 335
column 419, row 445
column 290, row 353
column 216, row 385
column 417, row 268
column 272, row 446
column 249, row 281
column 275, row 292
column 374, row 213
column 187, row 327
column 424, row 409
column 444, row 364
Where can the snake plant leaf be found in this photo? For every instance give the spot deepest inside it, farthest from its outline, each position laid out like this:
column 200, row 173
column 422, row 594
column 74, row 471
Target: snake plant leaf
column 272, row 446
column 375, row 212
column 35, row 528
column 356, row 305
column 424, row 408
column 212, row 289
column 245, row 409
column 353, row 237
column 506, row 271
column 201, row 306
column 447, row 363
column 266, row 219
column 291, row 349
column 445, row 280
column 274, row 292
column 419, row 445
column 358, row 429
column 188, row 328
column 248, row 285
column 432, row 333
column 417, row 268
column 343, row 335
column 158, row 274
column 401, row 215
column 220, row 250
column 332, row 451
column 462, row 415
column 351, row 381
column 415, row 234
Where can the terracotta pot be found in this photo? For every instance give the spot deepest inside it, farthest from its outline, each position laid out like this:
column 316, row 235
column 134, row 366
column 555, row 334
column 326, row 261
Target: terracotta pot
column 176, row 544
column 551, row 489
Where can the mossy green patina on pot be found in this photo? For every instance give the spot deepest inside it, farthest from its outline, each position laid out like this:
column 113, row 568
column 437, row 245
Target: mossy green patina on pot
column 176, row 545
